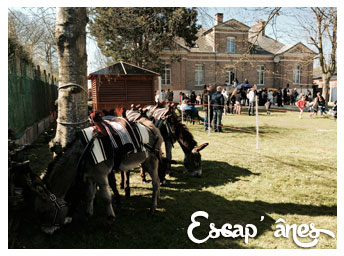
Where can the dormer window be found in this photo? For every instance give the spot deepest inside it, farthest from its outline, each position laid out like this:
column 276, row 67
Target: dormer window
column 230, row 44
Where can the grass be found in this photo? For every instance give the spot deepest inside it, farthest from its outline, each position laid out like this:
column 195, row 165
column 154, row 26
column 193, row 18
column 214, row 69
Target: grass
column 293, row 175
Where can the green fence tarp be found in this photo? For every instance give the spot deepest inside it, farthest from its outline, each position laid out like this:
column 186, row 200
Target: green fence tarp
column 29, row 101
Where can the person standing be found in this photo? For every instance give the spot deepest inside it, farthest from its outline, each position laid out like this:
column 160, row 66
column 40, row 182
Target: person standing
column 156, row 97
column 308, row 95
column 285, row 95
column 180, row 97
column 321, row 102
column 207, row 118
column 271, row 96
column 237, row 95
column 251, row 101
column 315, row 106
column 219, row 102
column 193, row 97
column 163, row 95
column 236, row 83
column 279, row 98
column 169, row 95
column 268, row 106
column 294, row 96
column 225, row 96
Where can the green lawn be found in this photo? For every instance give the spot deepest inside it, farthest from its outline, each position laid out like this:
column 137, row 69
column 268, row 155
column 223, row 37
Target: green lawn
column 293, row 175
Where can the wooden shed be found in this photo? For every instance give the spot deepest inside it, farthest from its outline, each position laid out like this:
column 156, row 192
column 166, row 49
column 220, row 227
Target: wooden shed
column 121, row 85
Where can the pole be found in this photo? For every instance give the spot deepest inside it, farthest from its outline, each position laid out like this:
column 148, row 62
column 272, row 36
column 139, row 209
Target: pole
column 257, row 126
column 209, row 123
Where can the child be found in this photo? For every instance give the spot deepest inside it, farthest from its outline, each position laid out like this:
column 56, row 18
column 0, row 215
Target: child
column 301, row 104
column 267, row 106
column 333, row 111
column 315, row 106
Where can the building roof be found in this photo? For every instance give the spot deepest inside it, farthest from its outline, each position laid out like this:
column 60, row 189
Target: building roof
column 262, row 44
column 123, row 68
column 267, row 43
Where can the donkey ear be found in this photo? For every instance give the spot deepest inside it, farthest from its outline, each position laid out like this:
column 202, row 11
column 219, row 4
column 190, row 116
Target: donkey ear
column 200, row 147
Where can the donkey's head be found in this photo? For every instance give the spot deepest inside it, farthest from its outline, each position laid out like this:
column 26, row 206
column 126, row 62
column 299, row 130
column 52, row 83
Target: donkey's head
column 193, row 161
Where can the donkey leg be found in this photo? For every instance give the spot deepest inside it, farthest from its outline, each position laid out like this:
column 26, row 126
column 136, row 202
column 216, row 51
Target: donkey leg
column 122, row 180
column 127, row 184
column 112, row 183
column 90, row 194
column 151, row 166
column 142, row 174
column 106, row 195
column 168, row 149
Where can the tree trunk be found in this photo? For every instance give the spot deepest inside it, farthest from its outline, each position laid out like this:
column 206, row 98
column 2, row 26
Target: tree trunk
column 326, row 85
column 70, row 36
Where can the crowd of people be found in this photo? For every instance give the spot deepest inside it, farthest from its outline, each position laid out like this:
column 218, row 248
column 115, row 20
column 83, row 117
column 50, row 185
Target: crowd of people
column 224, row 102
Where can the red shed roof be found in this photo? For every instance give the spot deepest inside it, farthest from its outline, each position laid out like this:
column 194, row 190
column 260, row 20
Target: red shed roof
column 123, row 68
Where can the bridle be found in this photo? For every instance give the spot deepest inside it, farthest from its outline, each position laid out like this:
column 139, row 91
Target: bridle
column 60, row 206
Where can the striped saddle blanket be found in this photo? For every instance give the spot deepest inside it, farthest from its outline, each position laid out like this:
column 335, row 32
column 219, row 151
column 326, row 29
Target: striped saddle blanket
column 156, row 112
column 123, row 137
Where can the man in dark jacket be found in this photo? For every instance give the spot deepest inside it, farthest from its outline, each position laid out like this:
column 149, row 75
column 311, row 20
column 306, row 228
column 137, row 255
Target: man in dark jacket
column 207, row 121
column 219, row 102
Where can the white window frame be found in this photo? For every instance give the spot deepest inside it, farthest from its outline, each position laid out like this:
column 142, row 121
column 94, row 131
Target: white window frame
column 231, row 45
column 166, row 72
column 297, row 75
column 260, row 74
column 199, row 74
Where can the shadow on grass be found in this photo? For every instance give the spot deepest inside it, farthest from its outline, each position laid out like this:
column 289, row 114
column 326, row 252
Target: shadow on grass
column 214, row 173
column 252, row 130
column 134, row 228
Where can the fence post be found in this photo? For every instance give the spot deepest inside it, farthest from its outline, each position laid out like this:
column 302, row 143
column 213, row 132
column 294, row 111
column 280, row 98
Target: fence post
column 257, row 126
column 209, row 123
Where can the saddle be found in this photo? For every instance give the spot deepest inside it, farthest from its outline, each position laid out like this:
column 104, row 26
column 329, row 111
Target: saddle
column 111, row 138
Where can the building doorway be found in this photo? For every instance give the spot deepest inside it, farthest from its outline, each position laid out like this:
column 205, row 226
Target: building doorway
column 230, row 76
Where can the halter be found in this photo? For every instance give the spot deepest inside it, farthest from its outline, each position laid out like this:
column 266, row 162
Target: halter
column 59, row 204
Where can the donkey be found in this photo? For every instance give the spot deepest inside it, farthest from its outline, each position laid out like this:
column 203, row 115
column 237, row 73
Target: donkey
column 63, row 174
column 172, row 129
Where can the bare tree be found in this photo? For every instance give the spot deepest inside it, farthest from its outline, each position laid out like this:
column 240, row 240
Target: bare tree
column 322, row 34
column 70, row 35
column 33, row 28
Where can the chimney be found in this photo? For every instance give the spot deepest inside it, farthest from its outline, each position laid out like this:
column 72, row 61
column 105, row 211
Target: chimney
column 259, row 27
column 218, row 18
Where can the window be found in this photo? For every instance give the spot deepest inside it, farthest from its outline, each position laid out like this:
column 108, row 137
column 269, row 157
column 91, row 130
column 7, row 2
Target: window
column 230, row 44
column 166, row 75
column 199, row 74
column 260, row 75
column 296, row 75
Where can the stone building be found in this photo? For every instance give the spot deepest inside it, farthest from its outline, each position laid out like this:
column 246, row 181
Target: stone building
column 232, row 50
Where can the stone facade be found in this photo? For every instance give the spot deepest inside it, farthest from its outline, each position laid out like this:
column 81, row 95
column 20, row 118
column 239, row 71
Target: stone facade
column 233, row 50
